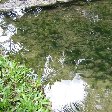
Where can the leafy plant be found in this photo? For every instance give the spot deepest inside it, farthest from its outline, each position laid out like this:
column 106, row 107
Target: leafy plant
column 18, row 91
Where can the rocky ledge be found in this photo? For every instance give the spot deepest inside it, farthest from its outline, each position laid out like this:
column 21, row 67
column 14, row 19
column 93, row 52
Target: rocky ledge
column 11, row 4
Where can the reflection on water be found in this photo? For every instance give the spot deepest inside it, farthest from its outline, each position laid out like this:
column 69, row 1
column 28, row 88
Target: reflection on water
column 48, row 70
column 6, row 32
column 67, row 94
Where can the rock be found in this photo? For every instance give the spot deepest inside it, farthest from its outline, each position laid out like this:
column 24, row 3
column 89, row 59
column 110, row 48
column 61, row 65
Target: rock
column 47, row 2
column 11, row 4
column 64, row 0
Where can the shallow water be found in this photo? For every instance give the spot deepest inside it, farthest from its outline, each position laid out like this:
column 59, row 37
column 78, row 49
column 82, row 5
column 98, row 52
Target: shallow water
column 62, row 42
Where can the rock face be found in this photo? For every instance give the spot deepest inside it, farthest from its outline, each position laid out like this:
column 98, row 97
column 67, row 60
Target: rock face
column 28, row 3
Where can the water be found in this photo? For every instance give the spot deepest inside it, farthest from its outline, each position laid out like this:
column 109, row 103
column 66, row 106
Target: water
column 62, row 42
column 66, row 92
column 6, row 32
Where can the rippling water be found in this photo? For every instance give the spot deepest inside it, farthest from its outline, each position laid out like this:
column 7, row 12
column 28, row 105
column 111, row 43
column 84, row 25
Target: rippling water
column 61, row 43
column 6, row 42
column 67, row 95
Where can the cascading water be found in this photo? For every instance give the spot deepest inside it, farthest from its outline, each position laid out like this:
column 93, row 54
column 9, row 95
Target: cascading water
column 65, row 95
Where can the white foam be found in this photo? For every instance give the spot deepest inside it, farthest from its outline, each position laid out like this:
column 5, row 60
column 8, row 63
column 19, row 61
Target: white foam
column 65, row 92
column 47, row 68
column 5, row 39
column 11, row 46
column 19, row 12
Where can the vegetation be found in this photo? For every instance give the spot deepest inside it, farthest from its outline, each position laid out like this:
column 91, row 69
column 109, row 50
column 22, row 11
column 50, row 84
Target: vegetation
column 19, row 92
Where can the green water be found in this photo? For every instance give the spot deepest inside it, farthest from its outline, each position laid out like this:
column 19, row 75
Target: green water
column 79, row 30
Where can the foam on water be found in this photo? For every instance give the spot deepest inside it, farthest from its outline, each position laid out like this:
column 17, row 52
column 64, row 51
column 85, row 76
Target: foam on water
column 66, row 92
column 47, row 68
column 6, row 43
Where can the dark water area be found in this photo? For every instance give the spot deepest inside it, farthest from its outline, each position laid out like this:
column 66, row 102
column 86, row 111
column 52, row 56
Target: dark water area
column 81, row 32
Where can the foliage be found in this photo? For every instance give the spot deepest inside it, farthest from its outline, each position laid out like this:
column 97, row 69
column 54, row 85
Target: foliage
column 18, row 91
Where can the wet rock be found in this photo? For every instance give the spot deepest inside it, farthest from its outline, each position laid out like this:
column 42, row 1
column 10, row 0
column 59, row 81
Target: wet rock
column 28, row 3
column 64, row 0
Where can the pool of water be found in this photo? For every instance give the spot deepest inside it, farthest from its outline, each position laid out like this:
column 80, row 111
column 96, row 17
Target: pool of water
column 61, row 41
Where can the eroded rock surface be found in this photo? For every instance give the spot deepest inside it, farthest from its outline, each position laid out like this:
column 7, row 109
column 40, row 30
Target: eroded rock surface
column 28, row 3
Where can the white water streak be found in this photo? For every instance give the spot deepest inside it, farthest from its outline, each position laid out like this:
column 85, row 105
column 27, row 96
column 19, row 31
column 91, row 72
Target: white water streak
column 47, row 67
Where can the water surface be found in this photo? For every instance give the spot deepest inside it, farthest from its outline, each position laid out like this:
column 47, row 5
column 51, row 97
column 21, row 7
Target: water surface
column 59, row 42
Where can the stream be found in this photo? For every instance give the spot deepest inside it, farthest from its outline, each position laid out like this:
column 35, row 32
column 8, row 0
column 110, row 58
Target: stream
column 63, row 45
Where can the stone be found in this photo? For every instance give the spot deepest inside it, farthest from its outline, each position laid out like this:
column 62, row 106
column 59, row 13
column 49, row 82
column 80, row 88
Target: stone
column 64, row 0
column 11, row 4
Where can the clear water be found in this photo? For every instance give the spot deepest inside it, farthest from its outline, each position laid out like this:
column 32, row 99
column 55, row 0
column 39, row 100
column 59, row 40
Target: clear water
column 62, row 42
